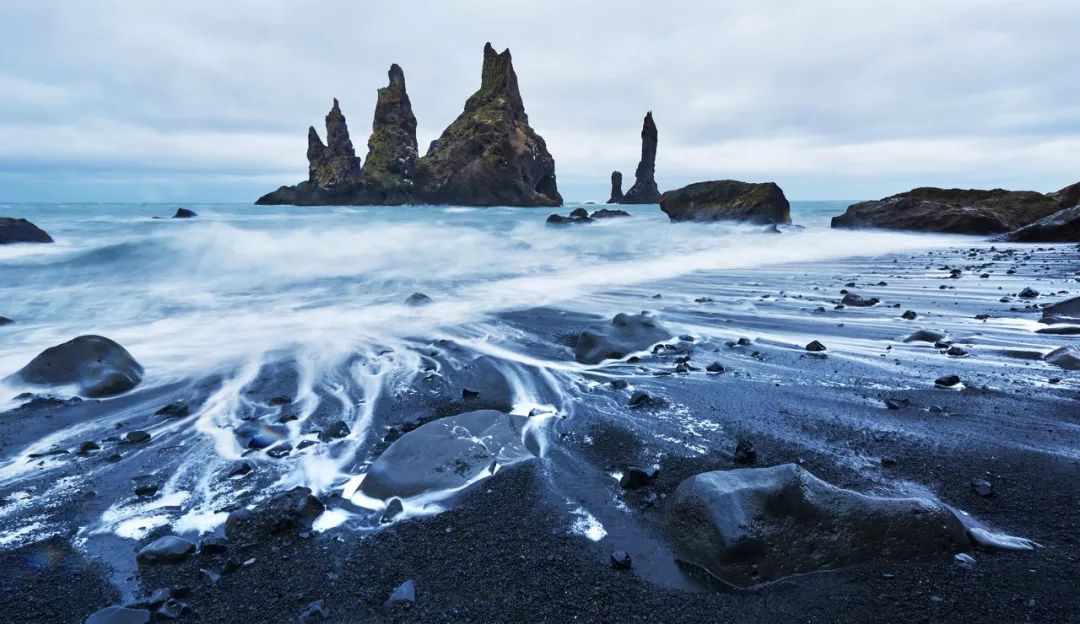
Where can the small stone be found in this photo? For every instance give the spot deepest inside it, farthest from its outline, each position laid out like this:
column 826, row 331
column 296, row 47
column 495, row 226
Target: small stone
column 280, row 450
column 1028, row 293
column 815, row 347
column 213, row 545
column 956, row 352
column 620, row 560
column 640, row 398
column 88, row 447
column 403, row 596
column 745, row 452
column 468, row 395
column 315, row 611
column 336, row 430
column 909, row 315
column 418, row 299
column 393, row 509
column 715, row 367
column 169, row 548
column 136, row 437
column 634, row 477
column 964, row 559
column 176, row 409
column 145, row 490
column 619, row 384
column 118, row 615
column 982, row 487
column 888, row 462
column 896, row 404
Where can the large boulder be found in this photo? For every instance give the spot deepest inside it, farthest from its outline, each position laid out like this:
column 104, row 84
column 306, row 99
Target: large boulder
column 293, row 510
column 97, row 365
column 489, row 155
column 1066, row 311
column 644, row 190
column 1062, row 226
column 955, row 211
column 625, row 334
column 446, row 455
column 21, row 231
column 1064, row 357
column 755, row 525
column 727, row 200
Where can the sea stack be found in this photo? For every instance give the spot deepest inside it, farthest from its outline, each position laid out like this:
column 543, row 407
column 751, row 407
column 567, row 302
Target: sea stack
column 616, row 188
column 489, row 155
column 392, row 151
column 644, row 190
column 334, row 165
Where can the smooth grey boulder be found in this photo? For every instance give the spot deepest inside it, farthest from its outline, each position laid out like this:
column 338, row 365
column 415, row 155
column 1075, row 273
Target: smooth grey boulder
column 447, row 454
column 755, row 525
column 99, row 366
column 625, row 334
column 166, row 549
column 1064, row 357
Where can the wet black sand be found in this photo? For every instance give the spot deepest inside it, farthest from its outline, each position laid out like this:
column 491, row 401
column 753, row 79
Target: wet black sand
column 506, row 552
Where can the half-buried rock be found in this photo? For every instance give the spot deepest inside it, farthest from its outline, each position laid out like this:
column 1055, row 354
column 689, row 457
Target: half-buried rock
column 293, row 510
column 625, row 334
column 169, row 548
column 1064, row 357
column 97, row 365
column 447, row 454
column 755, row 525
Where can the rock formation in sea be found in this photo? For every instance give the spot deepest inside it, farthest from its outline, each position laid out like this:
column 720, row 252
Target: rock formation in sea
column 956, row 211
column 616, row 188
column 392, row 151
column 21, row 231
column 727, row 200
column 1062, row 226
column 332, row 166
column 490, row 155
column 644, row 190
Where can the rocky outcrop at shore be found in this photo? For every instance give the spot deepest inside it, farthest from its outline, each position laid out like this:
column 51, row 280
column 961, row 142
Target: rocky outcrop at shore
column 644, row 190
column 1062, row 226
column 955, row 211
column 625, row 334
column 616, row 188
column 754, row 525
column 21, row 231
column 727, row 200
column 489, row 155
column 97, row 365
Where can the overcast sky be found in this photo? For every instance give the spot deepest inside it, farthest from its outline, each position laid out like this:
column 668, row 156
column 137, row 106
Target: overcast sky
column 832, row 99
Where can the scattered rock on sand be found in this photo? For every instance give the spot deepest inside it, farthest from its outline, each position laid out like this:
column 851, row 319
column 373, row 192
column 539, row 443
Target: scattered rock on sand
column 754, row 525
column 169, row 548
column 815, row 347
column 982, row 487
column 620, row 560
column 99, row 366
column 634, row 477
column 1028, row 293
column 293, row 510
column 21, row 231
column 1064, row 357
column 176, row 409
column 336, row 430
column 625, row 334
column 948, row 381
column 927, row 335
column 858, row 301
column 909, row 315
column 403, row 596
column 745, row 453
column 446, row 454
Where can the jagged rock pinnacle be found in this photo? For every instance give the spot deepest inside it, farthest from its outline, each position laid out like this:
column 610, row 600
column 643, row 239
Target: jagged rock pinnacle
column 616, row 188
column 392, row 149
column 644, row 190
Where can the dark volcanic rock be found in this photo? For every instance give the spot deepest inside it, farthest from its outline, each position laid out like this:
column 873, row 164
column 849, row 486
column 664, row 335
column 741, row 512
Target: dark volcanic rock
column 616, row 188
column 625, row 334
column 184, row 213
column 446, row 454
column 99, row 366
column 335, row 164
column 5, row 321
column 634, row 477
column 815, row 347
column 607, row 213
column 21, row 231
column 166, row 549
column 490, row 156
column 392, row 150
column 950, row 210
column 1067, row 311
column 858, row 301
column 644, row 190
column 754, row 525
column 620, row 560
column 727, row 200
column 1064, row 357
column 418, row 299
column 1062, row 226
column 404, row 595
column 294, row 510
column 558, row 219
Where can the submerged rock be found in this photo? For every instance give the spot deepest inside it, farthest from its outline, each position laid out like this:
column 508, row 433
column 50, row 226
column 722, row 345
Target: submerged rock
column 293, row 510
column 184, row 213
column 572, row 219
column 99, row 366
column 418, row 299
column 644, row 190
column 616, row 188
column 1062, row 226
column 754, row 525
column 957, row 211
column 489, row 155
column 625, row 334
column 607, row 213
column 446, row 454
column 21, row 231
column 727, row 200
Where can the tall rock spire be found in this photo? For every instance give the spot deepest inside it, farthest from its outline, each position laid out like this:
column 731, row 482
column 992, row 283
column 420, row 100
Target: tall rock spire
column 644, row 190
column 335, row 164
column 392, row 150
column 489, row 155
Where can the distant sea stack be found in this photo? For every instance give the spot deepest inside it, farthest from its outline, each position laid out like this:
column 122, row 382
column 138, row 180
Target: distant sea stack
column 616, row 188
column 727, row 200
column 644, row 190
column 956, row 211
column 489, row 155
